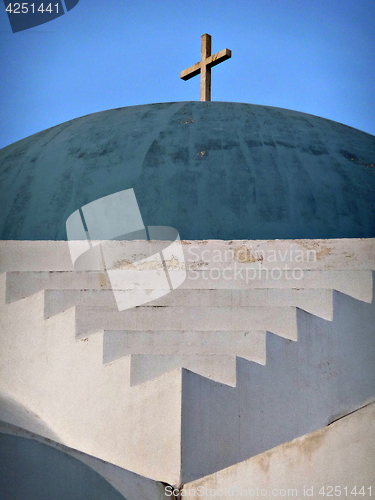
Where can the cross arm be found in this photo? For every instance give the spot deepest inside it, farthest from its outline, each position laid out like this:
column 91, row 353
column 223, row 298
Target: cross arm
column 188, row 73
column 219, row 57
column 211, row 61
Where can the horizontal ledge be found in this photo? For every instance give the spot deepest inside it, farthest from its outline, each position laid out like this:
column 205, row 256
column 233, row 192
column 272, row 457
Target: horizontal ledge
column 244, row 343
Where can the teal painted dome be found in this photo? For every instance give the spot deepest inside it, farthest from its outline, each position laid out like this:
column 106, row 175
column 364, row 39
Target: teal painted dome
column 209, row 169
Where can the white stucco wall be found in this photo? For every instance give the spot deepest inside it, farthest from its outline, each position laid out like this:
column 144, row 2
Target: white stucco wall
column 340, row 456
column 67, row 354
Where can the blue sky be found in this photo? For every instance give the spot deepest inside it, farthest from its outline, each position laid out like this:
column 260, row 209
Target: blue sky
column 315, row 56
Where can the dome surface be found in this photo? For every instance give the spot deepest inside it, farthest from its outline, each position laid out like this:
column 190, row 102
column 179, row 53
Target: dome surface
column 36, row 471
column 210, row 169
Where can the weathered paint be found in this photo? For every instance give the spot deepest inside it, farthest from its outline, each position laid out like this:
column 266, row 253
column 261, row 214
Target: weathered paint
column 209, row 169
column 340, row 456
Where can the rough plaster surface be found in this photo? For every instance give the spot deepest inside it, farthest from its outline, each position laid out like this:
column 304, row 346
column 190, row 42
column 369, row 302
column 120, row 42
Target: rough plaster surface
column 342, row 454
column 305, row 384
column 209, row 169
column 12, row 412
column 347, row 253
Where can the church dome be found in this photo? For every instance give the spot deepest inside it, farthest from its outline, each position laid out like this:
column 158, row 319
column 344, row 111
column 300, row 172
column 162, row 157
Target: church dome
column 212, row 170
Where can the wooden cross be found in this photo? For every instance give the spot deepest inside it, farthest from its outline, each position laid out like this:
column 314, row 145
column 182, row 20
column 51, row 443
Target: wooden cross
column 204, row 66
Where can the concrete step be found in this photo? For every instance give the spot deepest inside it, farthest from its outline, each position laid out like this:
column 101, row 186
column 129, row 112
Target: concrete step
column 210, row 354
column 221, row 369
column 23, row 284
column 279, row 320
column 357, row 284
column 248, row 344
column 318, row 302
